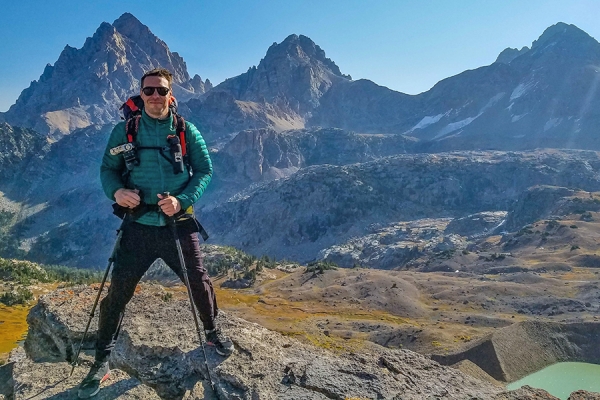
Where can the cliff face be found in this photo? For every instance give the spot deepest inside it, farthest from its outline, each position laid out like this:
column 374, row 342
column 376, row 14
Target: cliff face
column 521, row 349
column 158, row 356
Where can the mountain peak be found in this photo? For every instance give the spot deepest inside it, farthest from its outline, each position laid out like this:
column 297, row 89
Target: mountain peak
column 130, row 26
column 561, row 32
column 294, row 74
column 300, row 48
column 104, row 72
column 127, row 18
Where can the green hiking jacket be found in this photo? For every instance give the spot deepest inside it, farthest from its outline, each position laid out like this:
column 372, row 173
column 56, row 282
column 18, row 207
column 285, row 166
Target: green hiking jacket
column 155, row 174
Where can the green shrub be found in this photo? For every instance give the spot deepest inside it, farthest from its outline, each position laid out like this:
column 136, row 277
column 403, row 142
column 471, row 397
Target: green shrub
column 265, row 262
column 22, row 272
column 227, row 258
column 587, row 216
column 250, row 275
column 16, row 296
column 321, row 266
column 60, row 273
column 524, row 231
column 27, row 272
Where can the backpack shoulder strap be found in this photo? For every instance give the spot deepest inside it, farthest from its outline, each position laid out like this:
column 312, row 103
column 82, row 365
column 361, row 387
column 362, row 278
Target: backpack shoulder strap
column 131, row 128
column 180, row 130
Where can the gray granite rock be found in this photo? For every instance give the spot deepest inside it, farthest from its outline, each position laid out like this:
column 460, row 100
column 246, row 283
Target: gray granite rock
column 158, row 354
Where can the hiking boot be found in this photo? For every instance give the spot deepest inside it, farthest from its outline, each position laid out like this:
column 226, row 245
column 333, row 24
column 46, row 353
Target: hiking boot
column 223, row 345
column 90, row 386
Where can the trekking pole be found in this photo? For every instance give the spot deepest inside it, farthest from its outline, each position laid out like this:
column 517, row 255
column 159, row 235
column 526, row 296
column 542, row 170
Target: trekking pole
column 189, row 291
column 110, row 263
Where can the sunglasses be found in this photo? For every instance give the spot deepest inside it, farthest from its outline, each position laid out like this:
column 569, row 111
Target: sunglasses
column 149, row 90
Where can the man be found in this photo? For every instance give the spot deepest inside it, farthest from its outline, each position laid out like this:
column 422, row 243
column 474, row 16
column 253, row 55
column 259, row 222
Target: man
column 145, row 235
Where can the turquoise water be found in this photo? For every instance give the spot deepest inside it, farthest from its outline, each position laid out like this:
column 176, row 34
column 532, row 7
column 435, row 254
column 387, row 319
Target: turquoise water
column 562, row 379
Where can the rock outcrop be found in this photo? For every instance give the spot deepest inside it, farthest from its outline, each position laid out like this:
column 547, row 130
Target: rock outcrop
column 392, row 246
column 158, row 356
column 542, row 201
column 264, row 154
column 509, row 54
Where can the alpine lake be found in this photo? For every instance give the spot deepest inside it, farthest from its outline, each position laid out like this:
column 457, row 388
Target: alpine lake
column 561, row 379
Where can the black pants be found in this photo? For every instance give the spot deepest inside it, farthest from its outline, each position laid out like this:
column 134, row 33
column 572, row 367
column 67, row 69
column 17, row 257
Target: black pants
column 140, row 246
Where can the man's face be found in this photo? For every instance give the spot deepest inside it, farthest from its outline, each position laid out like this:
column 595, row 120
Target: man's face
column 156, row 106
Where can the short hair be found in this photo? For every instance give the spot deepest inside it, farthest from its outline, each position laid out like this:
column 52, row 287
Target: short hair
column 162, row 72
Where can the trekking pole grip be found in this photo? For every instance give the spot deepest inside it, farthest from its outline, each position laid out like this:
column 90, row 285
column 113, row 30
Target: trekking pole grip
column 170, row 219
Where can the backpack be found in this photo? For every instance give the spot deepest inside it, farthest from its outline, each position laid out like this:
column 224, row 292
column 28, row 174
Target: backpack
column 132, row 112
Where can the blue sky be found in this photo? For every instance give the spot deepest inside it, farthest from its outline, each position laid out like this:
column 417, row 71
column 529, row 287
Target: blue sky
column 407, row 46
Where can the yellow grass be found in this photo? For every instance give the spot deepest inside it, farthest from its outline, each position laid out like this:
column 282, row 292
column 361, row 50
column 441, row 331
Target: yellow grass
column 13, row 328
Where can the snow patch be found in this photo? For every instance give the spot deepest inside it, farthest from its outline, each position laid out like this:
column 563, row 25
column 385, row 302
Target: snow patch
column 551, row 123
column 492, row 101
column 515, row 118
column 520, row 90
column 428, row 120
column 455, row 126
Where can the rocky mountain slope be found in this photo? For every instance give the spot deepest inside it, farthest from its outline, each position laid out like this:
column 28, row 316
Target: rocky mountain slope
column 323, row 205
column 539, row 96
column 295, row 72
column 262, row 155
column 16, row 146
column 87, row 86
